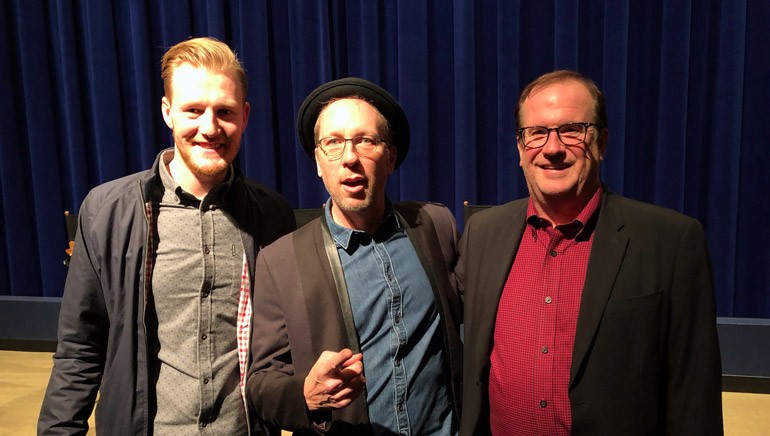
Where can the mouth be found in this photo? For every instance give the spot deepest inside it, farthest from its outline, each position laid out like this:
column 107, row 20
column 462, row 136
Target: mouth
column 353, row 184
column 554, row 167
column 554, row 170
column 210, row 145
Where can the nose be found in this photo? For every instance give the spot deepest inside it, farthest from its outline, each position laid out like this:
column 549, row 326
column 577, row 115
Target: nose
column 349, row 155
column 553, row 144
column 209, row 124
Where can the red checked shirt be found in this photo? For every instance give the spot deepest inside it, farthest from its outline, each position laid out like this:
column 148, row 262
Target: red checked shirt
column 535, row 326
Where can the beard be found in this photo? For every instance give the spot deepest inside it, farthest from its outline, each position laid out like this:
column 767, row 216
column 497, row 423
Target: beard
column 355, row 204
column 352, row 205
column 206, row 166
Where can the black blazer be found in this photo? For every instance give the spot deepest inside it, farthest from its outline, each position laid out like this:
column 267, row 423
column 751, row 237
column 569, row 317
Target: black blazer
column 646, row 357
column 297, row 316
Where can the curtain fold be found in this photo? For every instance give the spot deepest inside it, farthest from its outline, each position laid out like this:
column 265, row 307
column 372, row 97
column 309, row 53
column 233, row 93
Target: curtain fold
column 686, row 87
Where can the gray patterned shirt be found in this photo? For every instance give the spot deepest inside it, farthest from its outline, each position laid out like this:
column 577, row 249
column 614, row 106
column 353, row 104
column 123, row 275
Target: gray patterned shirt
column 192, row 314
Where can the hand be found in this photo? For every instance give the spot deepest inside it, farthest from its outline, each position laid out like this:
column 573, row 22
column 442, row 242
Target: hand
column 335, row 380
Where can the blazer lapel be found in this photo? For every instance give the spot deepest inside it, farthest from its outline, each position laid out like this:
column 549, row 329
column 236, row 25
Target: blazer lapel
column 411, row 221
column 327, row 327
column 607, row 253
column 502, row 245
column 492, row 247
column 322, row 306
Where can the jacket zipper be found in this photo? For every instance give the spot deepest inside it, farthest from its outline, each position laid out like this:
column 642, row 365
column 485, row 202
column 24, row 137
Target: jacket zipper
column 145, row 292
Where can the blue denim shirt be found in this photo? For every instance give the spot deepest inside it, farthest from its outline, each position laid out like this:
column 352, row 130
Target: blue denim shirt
column 398, row 327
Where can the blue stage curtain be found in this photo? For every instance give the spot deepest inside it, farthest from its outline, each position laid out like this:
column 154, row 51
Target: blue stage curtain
column 686, row 84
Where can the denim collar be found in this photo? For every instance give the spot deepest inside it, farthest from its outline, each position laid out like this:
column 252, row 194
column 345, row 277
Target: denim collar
column 349, row 239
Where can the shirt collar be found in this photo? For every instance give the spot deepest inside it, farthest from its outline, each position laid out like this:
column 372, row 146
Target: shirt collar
column 349, row 239
column 573, row 229
column 175, row 194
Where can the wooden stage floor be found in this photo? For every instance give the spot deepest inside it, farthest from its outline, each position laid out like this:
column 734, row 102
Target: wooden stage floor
column 24, row 375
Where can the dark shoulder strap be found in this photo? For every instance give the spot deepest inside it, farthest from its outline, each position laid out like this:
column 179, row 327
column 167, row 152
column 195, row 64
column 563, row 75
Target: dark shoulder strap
column 340, row 285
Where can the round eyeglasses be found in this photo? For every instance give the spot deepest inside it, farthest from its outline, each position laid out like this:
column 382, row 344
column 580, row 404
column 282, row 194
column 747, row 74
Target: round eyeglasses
column 569, row 134
column 334, row 146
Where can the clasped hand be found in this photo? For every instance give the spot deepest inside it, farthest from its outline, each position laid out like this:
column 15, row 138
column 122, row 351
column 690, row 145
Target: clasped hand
column 335, row 380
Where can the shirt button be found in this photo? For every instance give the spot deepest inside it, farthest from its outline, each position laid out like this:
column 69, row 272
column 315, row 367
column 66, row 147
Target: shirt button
column 543, row 403
column 397, row 319
column 204, row 294
column 548, row 300
column 553, row 253
column 544, row 350
column 205, row 381
column 400, row 407
column 204, row 336
column 207, row 250
column 203, row 424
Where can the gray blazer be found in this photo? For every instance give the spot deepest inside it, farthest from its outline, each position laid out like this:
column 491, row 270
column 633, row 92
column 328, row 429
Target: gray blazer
column 297, row 316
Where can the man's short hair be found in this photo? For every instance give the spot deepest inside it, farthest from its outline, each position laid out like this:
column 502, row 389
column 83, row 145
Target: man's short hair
column 600, row 111
column 206, row 52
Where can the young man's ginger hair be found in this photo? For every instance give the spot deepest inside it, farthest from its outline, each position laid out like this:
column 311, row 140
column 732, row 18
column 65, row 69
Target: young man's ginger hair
column 206, row 52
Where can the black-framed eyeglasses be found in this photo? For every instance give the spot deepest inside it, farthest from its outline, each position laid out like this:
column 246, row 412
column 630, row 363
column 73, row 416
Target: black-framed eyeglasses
column 334, row 146
column 569, row 134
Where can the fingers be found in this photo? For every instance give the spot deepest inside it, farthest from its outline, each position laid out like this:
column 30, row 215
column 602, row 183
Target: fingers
column 358, row 357
column 350, row 390
column 351, row 372
column 331, row 362
column 335, row 380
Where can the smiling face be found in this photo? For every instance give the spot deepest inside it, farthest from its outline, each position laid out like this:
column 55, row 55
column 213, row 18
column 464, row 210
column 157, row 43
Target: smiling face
column 355, row 183
column 559, row 176
column 207, row 114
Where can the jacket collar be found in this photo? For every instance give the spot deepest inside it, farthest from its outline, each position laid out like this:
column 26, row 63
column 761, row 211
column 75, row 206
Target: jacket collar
column 152, row 185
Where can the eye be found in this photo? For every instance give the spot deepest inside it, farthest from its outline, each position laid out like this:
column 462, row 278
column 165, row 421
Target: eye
column 535, row 132
column 571, row 130
column 333, row 142
column 365, row 140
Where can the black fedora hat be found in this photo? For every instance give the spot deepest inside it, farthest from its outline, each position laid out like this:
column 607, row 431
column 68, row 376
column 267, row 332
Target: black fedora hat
column 347, row 87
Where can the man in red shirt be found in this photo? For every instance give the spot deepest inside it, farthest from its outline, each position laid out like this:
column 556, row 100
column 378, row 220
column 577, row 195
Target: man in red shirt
column 585, row 312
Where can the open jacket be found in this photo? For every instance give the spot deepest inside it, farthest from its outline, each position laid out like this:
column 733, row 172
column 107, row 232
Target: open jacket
column 102, row 339
column 646, row 358
column 299, row 316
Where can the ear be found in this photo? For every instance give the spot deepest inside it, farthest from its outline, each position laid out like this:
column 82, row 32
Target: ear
column 246, row 111
column 318, row 165
column 601, row 144
column 392, row 155
column 165, row 108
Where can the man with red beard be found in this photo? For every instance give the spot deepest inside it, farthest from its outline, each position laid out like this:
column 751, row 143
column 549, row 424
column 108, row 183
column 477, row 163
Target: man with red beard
column 157, row 304
column 357, row 330
column 586, row 313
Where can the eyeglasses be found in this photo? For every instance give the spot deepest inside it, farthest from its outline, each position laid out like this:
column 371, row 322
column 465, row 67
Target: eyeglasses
column 334, row 146
column 569, row 134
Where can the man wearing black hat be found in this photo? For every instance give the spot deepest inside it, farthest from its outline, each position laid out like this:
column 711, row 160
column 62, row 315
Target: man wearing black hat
column 356, row 329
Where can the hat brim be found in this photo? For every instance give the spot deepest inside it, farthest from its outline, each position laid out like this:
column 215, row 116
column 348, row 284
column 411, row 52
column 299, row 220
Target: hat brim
column 347, row 87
